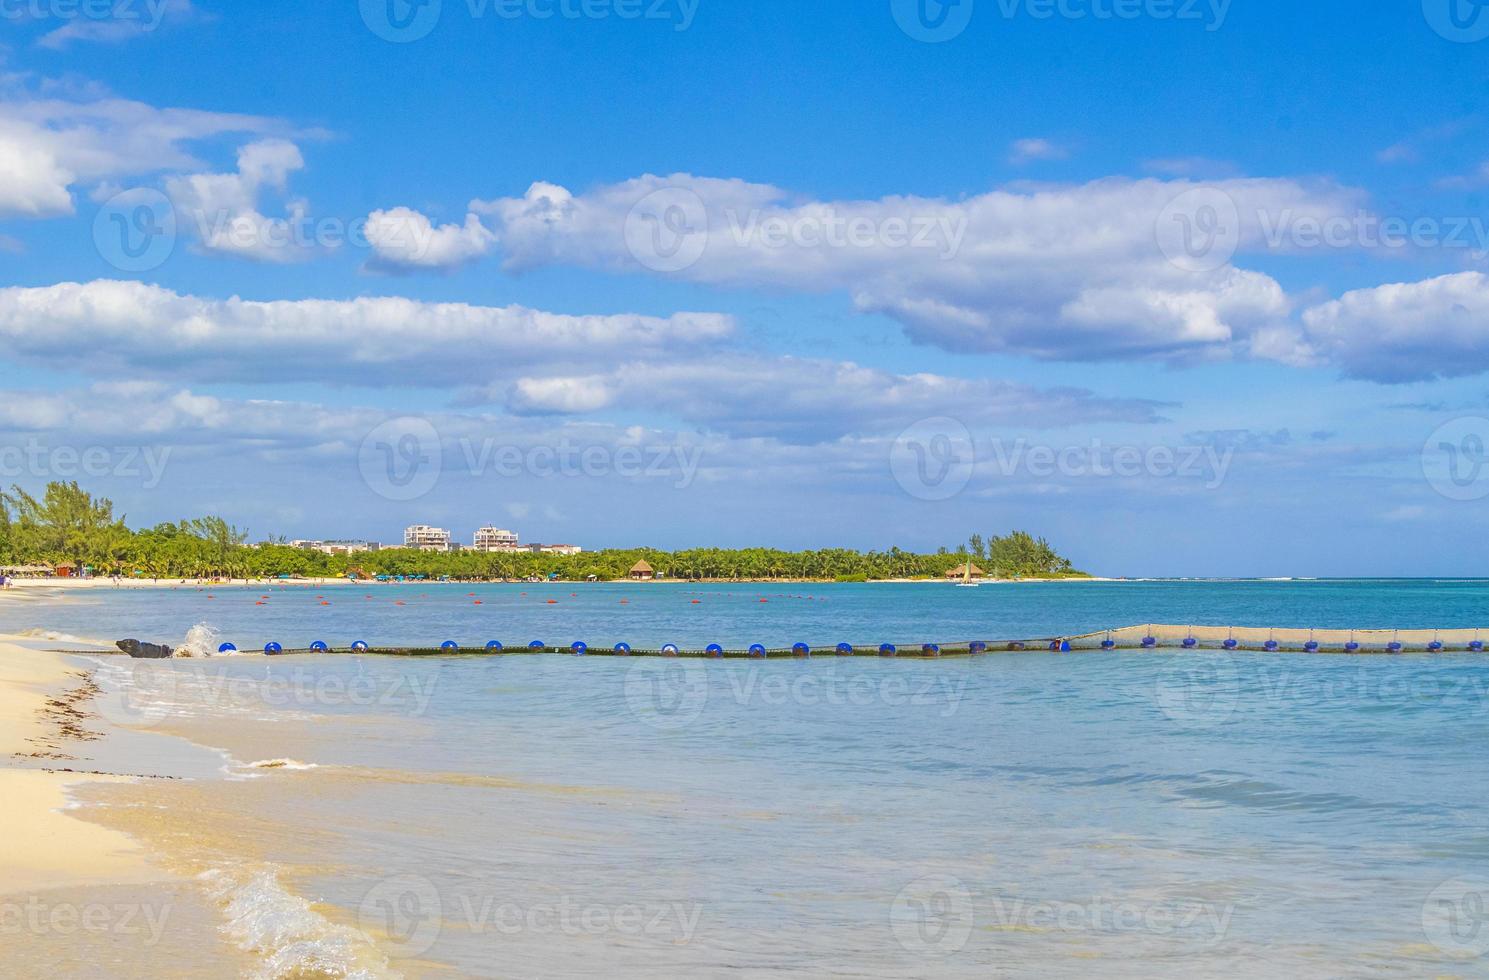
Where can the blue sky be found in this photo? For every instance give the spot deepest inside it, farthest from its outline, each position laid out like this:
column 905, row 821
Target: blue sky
column 1109, row 270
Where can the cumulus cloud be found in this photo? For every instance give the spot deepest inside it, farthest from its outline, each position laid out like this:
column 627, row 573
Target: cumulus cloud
column 1088, row 272
column 223, row 209
column 111, row 326
column 48, row 146
column 1399, row 332
column 403, row 239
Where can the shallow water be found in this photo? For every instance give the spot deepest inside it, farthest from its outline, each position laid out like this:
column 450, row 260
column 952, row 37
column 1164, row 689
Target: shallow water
column 732, row 614
column 1018, row 814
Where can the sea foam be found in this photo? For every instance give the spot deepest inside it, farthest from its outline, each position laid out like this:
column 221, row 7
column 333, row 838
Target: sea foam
column 292, row 938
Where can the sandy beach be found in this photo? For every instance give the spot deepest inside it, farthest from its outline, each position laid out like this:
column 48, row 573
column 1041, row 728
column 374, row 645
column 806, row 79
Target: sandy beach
column 78, row 899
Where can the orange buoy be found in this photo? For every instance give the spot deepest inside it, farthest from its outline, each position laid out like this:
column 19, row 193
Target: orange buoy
column 476, row 603
column 552, row 602
column 696, row 601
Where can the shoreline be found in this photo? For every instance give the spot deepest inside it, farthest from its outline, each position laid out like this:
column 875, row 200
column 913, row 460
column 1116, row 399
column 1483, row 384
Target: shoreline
column 28, row 587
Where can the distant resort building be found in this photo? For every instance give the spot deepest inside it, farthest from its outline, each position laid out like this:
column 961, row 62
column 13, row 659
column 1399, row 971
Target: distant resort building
column 426, row 538
column 642, row 572
column 555, row 549
column 337, row 547
column 960, row 571
column 496, row 539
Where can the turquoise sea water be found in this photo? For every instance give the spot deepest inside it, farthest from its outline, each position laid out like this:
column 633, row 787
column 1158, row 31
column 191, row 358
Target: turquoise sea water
column 1129, row 814
column 602, row 615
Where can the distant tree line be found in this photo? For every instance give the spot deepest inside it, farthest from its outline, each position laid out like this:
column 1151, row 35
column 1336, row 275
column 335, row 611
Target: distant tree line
column 68, row 525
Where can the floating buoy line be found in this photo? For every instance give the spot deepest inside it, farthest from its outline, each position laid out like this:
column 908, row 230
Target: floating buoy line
column 1149, row 638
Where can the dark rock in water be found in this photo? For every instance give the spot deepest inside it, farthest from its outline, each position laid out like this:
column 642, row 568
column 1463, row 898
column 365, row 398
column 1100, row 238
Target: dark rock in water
column 145, row 651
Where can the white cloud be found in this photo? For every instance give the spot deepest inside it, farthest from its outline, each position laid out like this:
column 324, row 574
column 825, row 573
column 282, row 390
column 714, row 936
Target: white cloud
column 403, row 239
column 48, row 146
column 125, row 21
column 1035, row 148
column 223, row 209
column 1058, row 272
column 110, row 326
column 1416, row 331
column 810, row 400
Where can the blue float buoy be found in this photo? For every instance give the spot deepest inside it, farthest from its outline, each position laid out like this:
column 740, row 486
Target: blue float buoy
column 273, row 648
column 1393, row 647
column 931, row 650
column 845, row 649
column 1434, row 647
column 756, row 650
column 227, row 648
column 1477, row 646
column 1270, row 646
column 1190, row 643
column 537, row 645
column 670, row 650
column 714, row 650
column 319, row 646
column 801, row 650
column 360, row 646
column 1231, row 644
column 1351, row 647
column 1311, row 646
column 449, row 645
column 494, row 646
column 887, row 650
column 1149, row 642
column 580, row 649
column 624, row 649
column 977, row 646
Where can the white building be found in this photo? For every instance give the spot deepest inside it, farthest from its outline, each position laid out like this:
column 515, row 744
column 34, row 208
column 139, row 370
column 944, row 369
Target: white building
column 555, row 549
column 336, row 547
column 426, row 538
column 496, row 539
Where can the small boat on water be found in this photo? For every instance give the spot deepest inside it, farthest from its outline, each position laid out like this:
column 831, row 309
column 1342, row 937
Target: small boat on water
column 967, row 582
